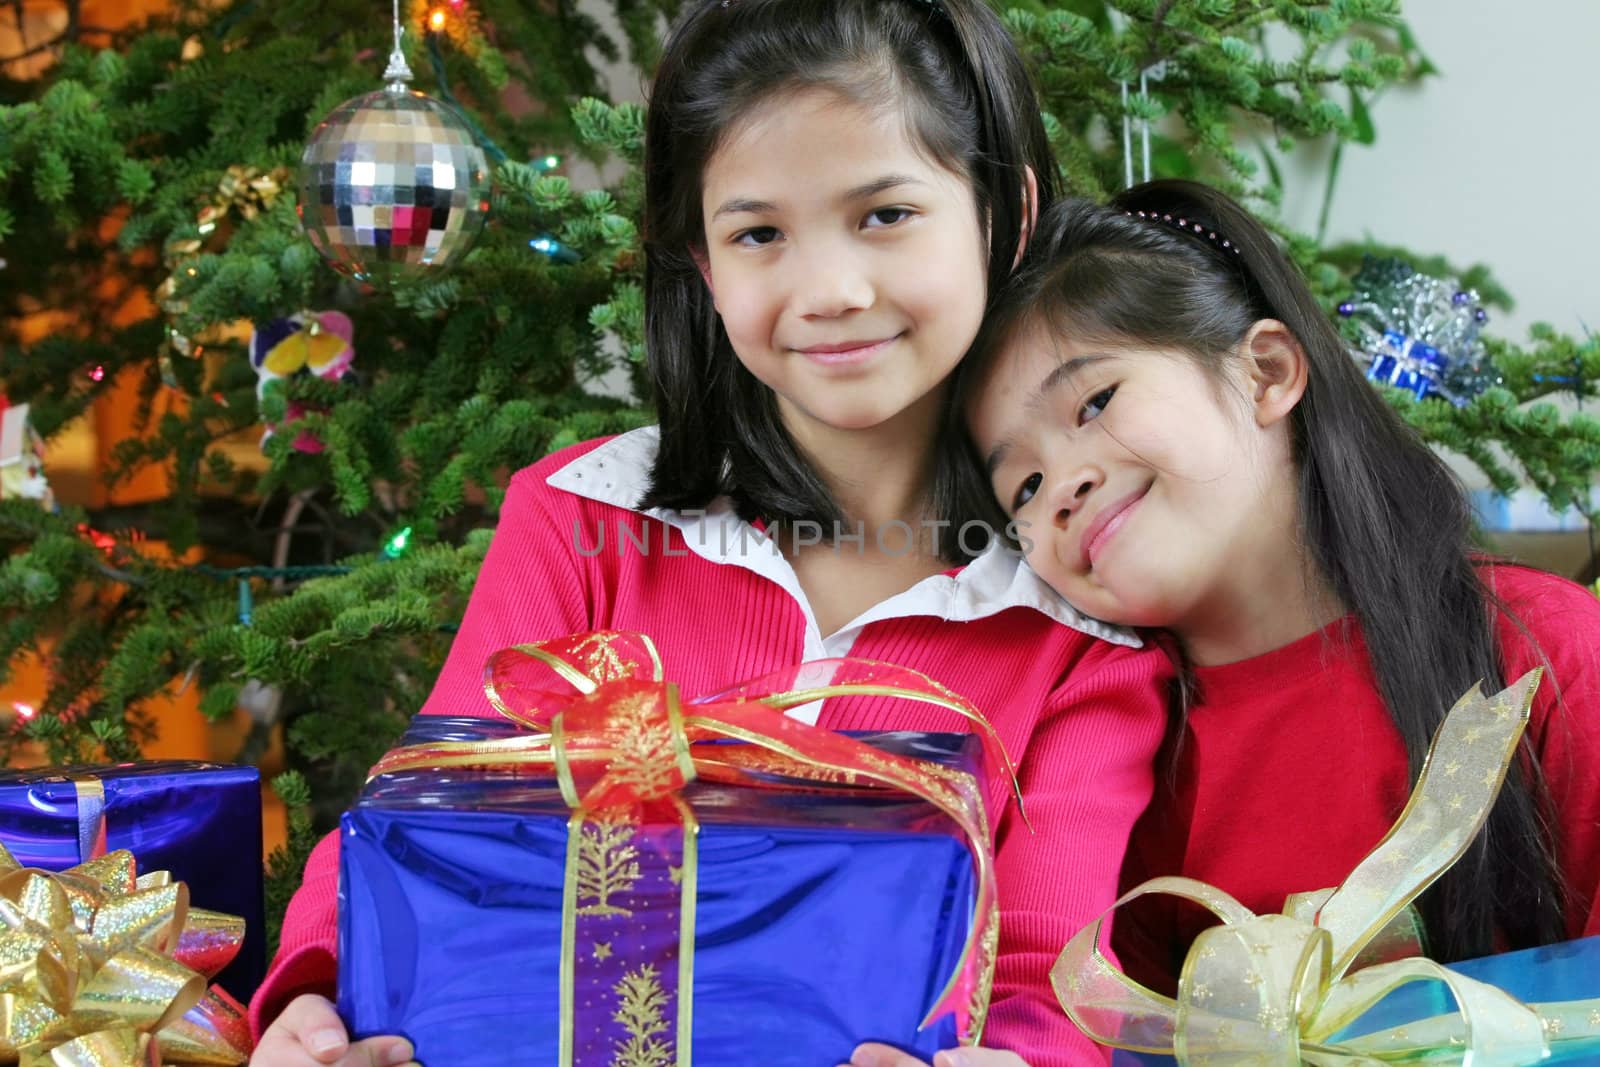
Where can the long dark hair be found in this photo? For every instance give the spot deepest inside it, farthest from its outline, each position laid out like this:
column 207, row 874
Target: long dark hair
column 1384, row 519
column 952, row 68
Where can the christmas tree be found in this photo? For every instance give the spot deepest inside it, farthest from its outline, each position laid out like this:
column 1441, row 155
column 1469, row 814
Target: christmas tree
column 148, row 214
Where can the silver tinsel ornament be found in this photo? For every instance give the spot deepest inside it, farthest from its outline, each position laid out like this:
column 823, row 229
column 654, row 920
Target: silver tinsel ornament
column 393, row 183
column 1417, row 332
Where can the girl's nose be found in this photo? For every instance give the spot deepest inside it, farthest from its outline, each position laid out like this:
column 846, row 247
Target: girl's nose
column 1071, row 489
column 831, row 283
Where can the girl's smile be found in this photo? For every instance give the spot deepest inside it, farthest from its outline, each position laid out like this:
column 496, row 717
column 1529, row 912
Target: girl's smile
column 845, row 353
column 1104, row 526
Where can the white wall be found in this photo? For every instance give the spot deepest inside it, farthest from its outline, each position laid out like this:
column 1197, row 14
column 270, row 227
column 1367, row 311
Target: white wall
column 1496, row 159
column 1493, row 160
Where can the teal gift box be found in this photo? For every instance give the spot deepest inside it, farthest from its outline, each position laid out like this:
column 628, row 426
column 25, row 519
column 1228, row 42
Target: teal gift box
column 1568, row 971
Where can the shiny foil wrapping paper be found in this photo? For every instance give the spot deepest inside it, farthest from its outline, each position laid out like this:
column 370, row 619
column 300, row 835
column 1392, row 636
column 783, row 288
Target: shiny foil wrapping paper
column 822, row 920
column 199, row 821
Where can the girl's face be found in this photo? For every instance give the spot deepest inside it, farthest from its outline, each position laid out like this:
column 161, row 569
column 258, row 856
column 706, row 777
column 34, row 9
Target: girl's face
column 849, row 271
column 1146, row 492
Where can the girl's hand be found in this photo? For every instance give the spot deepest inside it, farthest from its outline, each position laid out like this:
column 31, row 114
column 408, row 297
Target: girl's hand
column 873, row 1054
column 310, row 1033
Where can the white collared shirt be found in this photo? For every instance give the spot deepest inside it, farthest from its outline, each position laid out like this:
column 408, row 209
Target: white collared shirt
column 617, row 473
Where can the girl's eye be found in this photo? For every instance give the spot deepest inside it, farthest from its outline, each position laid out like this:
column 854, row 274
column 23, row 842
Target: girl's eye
column 1095, row 405
column 756, row 236
column 1030, row 486
column 887, row 216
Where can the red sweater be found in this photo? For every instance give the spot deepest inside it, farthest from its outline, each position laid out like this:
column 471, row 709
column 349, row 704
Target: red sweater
column 1291, row 770
column 1081, row 716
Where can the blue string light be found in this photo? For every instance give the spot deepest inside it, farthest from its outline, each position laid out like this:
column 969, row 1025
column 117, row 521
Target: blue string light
column 554, row 249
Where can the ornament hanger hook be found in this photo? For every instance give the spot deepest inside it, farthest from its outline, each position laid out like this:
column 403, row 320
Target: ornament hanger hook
column 1155, row 72
column 398, row 73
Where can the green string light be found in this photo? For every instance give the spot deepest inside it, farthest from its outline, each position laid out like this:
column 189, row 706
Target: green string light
column 397, row 544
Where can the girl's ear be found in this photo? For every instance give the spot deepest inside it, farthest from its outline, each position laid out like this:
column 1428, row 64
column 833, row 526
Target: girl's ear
column 1030, row 211
column 702, row 263
column 1277, row 367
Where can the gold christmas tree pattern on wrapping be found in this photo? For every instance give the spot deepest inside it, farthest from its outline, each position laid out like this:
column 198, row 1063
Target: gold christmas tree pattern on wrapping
column 644, row 759
column 608, row 864
column 598, row 658
column 641, row 1004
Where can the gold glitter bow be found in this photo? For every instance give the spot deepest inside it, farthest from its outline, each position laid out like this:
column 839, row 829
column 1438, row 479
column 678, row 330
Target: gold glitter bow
column 1277, row 989
column 98, row 969
column 242, row 189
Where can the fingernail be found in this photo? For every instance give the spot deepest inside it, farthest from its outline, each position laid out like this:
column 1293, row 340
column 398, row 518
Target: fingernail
column 322, row 1041
column 397, row 1054
column 864, row 1055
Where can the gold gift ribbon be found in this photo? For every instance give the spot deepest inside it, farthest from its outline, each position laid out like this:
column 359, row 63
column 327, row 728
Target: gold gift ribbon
column 90, row 974
column 1275, row 989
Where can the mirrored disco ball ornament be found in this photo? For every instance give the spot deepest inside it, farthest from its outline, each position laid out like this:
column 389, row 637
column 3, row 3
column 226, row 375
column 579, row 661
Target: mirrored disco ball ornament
column 393, row 183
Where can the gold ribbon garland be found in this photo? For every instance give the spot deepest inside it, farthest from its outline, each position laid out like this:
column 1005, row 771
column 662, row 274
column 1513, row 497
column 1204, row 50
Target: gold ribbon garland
column 1276, row 989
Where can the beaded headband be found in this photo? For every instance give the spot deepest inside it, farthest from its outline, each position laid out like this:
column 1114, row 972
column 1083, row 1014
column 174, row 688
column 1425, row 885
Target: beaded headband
column 1198, row 229
column 932, row 5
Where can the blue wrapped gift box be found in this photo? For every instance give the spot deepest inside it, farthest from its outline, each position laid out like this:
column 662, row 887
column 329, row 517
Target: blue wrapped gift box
column 1568, row 971
column 200, row 821
column 822, row 919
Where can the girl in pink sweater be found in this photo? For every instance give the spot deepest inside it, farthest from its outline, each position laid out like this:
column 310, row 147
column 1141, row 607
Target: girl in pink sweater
column 833, row 187
column 1158, row 397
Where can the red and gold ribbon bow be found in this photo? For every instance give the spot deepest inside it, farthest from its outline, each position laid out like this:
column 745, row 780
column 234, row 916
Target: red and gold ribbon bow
column 102, row 967
column 1278, row 989
column 622, row 739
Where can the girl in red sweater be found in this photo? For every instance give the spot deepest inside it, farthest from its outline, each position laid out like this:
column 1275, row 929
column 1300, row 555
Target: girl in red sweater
column 833, row 187
column 1185, row 443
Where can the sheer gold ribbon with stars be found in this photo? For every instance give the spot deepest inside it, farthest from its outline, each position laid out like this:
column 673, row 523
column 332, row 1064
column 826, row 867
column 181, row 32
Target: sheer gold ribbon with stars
column 1274, row 990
